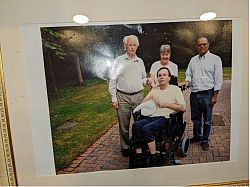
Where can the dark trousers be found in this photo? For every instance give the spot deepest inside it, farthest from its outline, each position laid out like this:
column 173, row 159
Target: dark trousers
column 143, row 131
column 201, row 108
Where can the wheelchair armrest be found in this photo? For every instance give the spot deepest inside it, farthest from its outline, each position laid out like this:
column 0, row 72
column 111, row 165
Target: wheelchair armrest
column 138, row 116
column 175, row 114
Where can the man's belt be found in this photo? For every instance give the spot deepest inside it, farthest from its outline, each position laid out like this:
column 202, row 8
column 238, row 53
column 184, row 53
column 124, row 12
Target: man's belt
column 129, row 93
column 204, row 91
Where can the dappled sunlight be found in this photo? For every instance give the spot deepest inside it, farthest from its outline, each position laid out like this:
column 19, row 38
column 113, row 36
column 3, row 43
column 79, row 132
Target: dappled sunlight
column 99, row 66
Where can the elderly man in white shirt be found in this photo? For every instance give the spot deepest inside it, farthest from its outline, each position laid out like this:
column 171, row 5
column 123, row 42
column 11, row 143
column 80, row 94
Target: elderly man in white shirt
column 128, row 77
column 204, row 76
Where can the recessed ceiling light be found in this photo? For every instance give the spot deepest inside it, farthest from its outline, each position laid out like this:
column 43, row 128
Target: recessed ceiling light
column 208, row 16
column 81, row 19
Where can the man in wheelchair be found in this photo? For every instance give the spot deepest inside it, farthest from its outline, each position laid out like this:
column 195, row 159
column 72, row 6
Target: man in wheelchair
column 167, row 99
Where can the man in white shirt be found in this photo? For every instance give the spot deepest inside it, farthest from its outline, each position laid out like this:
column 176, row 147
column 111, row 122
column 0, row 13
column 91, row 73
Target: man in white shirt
column 165, row 52
column 167, row 98
column 128, row 77
column 204, row 76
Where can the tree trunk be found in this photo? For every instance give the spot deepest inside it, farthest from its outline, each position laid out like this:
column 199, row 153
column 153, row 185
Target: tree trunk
column 78, row 70
column 52, row 75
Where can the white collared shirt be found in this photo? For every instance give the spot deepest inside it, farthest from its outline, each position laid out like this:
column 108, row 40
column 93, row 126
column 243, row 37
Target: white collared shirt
column 205, row 72
column 127, row 75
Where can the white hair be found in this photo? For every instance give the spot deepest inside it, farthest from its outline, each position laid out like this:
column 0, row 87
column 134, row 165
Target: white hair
column 125, row 39
column 165, row 49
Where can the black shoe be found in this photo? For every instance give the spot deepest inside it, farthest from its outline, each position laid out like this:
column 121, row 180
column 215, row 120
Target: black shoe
column 125, row 152
column 139, row 161
column 204, row 146
column 194, row 140
column 155, row 160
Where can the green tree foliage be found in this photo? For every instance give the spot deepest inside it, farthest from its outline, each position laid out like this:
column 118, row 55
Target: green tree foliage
column 50, row 41
column 51, row 49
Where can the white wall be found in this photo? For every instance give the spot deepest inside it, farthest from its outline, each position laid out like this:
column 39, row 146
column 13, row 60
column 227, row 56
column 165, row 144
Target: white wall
column 15, row 15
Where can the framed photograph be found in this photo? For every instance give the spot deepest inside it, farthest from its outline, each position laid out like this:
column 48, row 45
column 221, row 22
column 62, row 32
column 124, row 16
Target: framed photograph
column 77, row 65
column 73, row 80
column 63, row 128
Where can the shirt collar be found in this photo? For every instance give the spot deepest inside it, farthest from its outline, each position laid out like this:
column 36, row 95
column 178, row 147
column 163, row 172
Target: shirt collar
column 136, row 59
column 204, row 56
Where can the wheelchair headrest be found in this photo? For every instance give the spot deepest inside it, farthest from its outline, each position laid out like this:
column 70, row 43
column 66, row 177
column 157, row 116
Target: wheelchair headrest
column 173, row 80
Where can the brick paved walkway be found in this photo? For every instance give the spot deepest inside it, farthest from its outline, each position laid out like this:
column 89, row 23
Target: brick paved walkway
column 105, row 154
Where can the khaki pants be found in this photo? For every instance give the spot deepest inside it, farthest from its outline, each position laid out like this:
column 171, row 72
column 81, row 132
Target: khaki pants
column 127, row 104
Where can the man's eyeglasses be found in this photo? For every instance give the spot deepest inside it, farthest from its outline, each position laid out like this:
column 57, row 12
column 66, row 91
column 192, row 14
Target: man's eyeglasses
column 203, row 44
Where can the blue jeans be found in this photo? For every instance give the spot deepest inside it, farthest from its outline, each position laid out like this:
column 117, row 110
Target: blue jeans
column 201, row 108
column 143, row 131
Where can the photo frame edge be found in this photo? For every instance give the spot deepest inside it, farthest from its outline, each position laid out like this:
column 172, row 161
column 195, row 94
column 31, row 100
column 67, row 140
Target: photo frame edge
column 223, row 182
column 7, row 155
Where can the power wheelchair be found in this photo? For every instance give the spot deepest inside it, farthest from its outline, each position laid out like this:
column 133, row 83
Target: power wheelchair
column 168, row 142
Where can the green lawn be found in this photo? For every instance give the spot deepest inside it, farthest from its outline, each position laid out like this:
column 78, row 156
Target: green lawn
column 89, row 108
column 226, row 74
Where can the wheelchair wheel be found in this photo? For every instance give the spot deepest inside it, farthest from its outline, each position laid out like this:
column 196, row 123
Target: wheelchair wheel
column 184, row 146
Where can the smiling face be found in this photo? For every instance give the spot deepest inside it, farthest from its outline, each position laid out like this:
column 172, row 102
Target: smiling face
column 202, row 46
column 131, row 46
column 165, row 56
